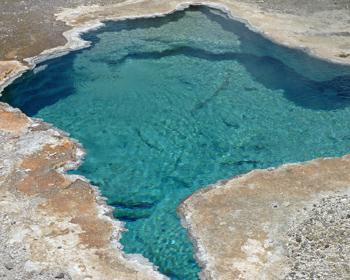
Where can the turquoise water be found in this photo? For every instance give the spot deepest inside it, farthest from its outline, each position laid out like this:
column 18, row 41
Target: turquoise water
column 165, row 106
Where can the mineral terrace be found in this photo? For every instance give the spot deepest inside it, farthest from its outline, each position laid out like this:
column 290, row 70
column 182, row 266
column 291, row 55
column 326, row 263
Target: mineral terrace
column 290, row 222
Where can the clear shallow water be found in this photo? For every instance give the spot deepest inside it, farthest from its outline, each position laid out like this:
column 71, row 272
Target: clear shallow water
column 168, row 105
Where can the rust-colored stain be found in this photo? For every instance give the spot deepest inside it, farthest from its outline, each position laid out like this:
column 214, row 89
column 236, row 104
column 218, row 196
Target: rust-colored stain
column 77, row 202
column 7, row 68
column 43, row 164
column 11, row 122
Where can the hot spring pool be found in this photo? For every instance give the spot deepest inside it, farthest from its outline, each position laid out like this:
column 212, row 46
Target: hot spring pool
column 165, row 106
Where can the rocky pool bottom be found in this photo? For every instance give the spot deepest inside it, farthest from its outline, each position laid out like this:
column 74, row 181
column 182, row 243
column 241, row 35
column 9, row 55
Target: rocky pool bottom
column 168, row 105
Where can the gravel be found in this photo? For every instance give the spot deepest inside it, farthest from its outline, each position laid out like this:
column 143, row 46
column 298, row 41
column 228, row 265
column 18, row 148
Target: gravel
column 319, row 244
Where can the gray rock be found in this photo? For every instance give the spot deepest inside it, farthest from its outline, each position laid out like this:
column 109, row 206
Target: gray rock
column 9, row 265
column 60, row 275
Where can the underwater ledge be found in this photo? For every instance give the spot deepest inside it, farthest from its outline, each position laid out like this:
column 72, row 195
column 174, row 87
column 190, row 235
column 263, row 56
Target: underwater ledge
column 266, row 248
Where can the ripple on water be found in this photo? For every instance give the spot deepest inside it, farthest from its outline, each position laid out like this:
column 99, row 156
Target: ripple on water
column 168, row 105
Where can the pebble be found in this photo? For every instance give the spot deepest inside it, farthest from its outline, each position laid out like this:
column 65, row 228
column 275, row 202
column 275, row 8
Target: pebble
column 9, row 265
column 60, row 276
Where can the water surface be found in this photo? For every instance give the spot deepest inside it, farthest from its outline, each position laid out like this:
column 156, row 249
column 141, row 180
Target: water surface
column 165, row 106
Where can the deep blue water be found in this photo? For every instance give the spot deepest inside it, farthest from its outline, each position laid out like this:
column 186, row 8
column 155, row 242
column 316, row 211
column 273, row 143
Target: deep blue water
column 165, row 106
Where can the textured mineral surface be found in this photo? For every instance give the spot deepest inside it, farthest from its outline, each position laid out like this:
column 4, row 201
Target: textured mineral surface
column 53, row 225
column 292, row 222
column 285, row 223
